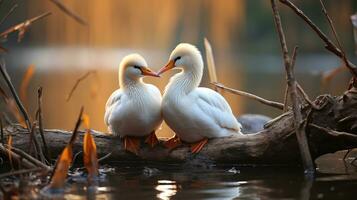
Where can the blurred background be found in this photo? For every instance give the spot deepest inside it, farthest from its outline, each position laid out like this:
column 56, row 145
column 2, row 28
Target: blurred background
column 241, row 32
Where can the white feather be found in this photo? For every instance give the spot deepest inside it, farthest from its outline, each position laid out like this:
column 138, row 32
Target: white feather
column 195, row 112
column 135, row 108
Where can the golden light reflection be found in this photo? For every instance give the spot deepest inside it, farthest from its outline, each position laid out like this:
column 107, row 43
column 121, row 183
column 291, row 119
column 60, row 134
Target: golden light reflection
column 102, row 193
column 166, row 188
column 73, row 196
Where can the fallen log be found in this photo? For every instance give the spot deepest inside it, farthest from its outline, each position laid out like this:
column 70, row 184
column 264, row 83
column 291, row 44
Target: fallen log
column 330, row 126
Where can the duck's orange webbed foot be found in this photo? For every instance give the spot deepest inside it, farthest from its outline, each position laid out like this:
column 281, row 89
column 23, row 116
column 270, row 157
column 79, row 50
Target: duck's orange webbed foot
column 173, row 142
column 152, row 139
column 132, row 144
column 197, row 147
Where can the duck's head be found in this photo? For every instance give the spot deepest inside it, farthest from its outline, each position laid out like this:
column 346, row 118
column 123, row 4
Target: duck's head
column 185, row 56
column 134, row 66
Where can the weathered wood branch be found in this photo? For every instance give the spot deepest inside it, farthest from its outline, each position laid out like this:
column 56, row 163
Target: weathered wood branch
column 292, row 88
column 275, row 145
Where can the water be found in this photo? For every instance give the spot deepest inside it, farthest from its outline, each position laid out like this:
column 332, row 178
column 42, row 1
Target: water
column 224, row 182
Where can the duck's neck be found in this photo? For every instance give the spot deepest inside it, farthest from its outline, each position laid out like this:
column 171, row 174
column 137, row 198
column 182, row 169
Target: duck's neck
column 184, row 82
column 132, row 86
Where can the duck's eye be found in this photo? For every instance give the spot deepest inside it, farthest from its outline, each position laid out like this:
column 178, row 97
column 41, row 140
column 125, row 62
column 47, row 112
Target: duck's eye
column 177, row 58
column 137, row 67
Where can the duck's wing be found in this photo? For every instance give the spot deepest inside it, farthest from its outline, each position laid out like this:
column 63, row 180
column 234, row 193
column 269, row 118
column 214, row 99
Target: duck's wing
column 213, row 105
column 113, row 100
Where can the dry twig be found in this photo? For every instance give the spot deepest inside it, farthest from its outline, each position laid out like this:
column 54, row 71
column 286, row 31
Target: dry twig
column 69, row 12
column 306, row 97
column 14, row 94
column 75, row 130
column 251, row 96
column 285, row 103
column 15, row 157
column 40, row 121
column 77, row 83
column 31, row 159
column 22, row 27
column 38, row 149
column 298, row 122
column 334, row 133
column 105, row 157
column 286, row 93
column 346, row 154
column 344, row 58
column 329, row 44
column 8, row 13
column 20, row 172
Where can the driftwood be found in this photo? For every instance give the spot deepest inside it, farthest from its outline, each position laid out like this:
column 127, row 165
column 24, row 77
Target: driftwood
column 330, row 123
column 330, row 127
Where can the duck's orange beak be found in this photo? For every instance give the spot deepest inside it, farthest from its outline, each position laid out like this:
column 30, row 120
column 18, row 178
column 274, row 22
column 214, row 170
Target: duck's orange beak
column 167, row 67
column 148, row 72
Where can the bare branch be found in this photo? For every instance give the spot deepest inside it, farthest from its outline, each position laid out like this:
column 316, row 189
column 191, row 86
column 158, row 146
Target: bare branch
column 20, row 172
column 15, row 95
column 75, row 130
column 104, row 157
column 22, row 27
column 329, row 44
column 285, row 103
column 286, row 93
column 30, row 158
column 77, row 83
column 34, row 141
column 306, row 97
column 69, row 12
column 251, row 96
column 334, row 133
column 16, row 157
column 300, row 131
column 344, row 58
column 40, row 121
column 9, row 13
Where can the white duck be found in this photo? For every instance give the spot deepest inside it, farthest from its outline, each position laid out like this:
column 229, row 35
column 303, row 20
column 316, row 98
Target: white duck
column 134, row 110
column 194, row 113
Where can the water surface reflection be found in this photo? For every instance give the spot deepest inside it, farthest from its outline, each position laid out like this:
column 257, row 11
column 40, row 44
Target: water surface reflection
column 166, row 189
column 173, row 182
